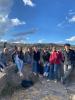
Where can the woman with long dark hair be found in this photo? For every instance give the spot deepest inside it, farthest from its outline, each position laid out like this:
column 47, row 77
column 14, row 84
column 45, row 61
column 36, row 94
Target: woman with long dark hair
column 19, row 60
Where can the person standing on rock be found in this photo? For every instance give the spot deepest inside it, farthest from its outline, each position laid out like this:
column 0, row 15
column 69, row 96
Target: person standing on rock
column 69, row 59
column 19, row 60
column 55, row 64
column 45, row 57
column 36, row 61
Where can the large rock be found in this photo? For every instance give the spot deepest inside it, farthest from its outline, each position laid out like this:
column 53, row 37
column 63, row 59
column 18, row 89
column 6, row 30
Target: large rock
column 3, row 81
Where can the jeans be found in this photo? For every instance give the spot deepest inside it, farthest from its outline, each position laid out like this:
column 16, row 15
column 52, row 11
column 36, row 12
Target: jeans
column 67, row 71
column 51, row 72
column 46, row 67
column 54, row 71
column 35, row 67
column 19, row 64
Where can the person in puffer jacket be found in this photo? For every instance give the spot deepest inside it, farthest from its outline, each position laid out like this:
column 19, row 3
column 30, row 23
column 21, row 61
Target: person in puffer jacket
column 55, row 61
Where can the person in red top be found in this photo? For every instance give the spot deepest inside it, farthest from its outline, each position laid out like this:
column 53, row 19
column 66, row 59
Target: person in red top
column 55, row 61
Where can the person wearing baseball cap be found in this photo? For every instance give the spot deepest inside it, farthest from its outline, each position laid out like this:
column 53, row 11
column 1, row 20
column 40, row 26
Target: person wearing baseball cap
column 69, row 57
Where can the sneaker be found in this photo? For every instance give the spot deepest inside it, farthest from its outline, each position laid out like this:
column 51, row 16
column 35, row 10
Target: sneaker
column 20, row 74
column 34, row 73
column 2, row 70
column 48, row 80
column 55, row 81
column 44, row 74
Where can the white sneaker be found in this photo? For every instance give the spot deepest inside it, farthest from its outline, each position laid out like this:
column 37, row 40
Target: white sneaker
column 34, row 73
column 20, row 74
column 55, row 81
column 2, row 70
column 48, row 80
column 44, row 74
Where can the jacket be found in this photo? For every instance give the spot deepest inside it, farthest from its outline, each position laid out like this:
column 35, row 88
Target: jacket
column 69, row 57
column 55, row 58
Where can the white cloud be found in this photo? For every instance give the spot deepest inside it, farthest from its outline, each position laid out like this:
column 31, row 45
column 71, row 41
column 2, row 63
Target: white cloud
column 71, row 39
column 3, row 18
column 41, row 40
column 3, row 40
column 72, row 19
column 59, row 25
column 29, row 3
column 5, row 8
column 62, row 23
column 5, row 22
column 16, row 22
column 21, row 41
column 71, row 12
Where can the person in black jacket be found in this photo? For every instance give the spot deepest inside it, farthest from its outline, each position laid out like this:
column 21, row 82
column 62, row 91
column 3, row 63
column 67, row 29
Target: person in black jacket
column 13, row 53
column 36, row 61
column 45, row 57
column 69, row 58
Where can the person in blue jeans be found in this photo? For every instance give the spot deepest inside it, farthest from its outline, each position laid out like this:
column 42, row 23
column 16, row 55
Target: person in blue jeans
column 45, row 57
column 55, row 64
column 36, row 61
column 19, row 60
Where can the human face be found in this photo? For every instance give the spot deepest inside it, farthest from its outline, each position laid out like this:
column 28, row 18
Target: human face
column 67, row 48
column 19, row 48
column 5, row 50
column 53, row 49
column 35, row 49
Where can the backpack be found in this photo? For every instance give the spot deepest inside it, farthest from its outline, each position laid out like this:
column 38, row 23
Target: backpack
column 26, row 83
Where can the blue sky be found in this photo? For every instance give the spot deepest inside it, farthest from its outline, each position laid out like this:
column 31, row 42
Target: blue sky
column 37, row 21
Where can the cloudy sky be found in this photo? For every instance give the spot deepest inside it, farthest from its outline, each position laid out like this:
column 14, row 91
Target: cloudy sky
column 37, row 21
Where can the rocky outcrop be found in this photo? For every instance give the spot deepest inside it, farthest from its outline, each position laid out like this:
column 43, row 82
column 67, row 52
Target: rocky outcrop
column 41, row 90
column 2, row 81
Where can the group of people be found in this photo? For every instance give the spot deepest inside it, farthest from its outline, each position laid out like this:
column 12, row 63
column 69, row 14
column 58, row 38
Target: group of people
column 57, row 64
column 52, row 64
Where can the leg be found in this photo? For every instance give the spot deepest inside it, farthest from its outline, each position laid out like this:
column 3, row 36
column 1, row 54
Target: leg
column 56, row 68
column 67, row 73
column 51, row 72
column 65, row 68
column 45, row 69
column 34, row 68
column 21, row 63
